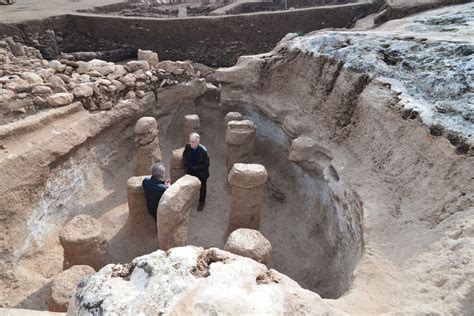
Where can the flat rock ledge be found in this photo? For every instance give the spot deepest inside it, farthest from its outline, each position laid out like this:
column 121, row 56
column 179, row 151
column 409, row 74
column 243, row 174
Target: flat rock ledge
column 191, row 280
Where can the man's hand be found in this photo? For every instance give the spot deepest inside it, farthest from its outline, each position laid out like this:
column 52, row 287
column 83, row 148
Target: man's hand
column 168, row 182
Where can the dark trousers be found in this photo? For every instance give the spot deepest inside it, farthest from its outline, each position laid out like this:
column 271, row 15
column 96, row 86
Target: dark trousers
column 202, row 191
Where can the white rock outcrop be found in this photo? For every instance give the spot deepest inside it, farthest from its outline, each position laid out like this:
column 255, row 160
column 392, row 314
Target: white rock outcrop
column 192, row 281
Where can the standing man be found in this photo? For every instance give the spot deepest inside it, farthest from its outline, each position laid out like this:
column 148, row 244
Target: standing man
column 154, row 187
column 196, row 162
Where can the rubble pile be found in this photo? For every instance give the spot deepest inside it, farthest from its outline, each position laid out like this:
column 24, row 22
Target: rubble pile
column 29, row 83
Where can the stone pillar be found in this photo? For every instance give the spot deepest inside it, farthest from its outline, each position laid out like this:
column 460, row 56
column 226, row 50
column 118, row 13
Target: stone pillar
column 148, row 145
column 247, row 181
column 176, row 165
column 64, row 286
column 233, row 116
column 240, row 139
column 84, row 243
column 173, row 212
column 191, row 124
column 139, row 221
column 249, row 243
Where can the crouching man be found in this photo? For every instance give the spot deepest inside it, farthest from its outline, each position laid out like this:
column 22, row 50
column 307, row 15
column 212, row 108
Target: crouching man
column 154, row 187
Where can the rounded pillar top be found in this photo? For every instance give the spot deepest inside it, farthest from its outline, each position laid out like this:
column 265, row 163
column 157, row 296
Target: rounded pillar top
column 240, row 132
column 192, row 118
column 80, row 229
column 247, row 176
column 146, row 125
column 233, row 116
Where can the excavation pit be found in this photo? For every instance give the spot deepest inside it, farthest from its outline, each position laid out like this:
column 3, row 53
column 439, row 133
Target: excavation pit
column 329, row 137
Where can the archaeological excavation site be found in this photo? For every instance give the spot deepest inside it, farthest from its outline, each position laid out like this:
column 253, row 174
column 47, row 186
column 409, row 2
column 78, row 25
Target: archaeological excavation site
column 306, row 157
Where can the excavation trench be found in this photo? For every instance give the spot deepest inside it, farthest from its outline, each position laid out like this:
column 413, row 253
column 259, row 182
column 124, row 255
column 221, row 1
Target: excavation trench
column 311, row 218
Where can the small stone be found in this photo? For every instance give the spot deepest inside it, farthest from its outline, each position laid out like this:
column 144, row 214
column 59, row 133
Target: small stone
column 56, row 65
column 105, row 70
column 140, row 93
column 60, row 99
column 249, row 243
column 32, row 78
column 120, row 86
column 138, row 64
column 128, row 80
column 185, row 66
column 21, row 95
column 55, row 81
column 42, row 90
column 148, row 55
column 105, row 105
column 118, row 72
column 178, row 72
column 130, row 95
column 140, row 85
column 83, row 91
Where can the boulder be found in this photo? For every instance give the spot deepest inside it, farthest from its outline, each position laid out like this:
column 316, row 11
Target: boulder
column 118, row 72
column 32, row 78
column 128, row 80
column 64, row 286
column 60, row 99
column 56, row 65
column 148, row 55
column 249, row 243
column 83, row 91
column 42, row 90
column 193, row 281
column 135, row 65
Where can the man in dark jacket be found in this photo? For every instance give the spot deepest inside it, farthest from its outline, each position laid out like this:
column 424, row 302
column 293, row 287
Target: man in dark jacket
column 154, row 187
column 196, row 162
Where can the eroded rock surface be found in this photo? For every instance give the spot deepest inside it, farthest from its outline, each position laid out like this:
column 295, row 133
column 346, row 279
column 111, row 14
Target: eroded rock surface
column 190, row 280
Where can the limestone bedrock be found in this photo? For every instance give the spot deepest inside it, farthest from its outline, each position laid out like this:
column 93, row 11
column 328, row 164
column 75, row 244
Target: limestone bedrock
column 190, row 280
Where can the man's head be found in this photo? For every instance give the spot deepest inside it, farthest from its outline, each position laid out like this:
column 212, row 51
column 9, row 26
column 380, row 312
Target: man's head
column 194, row 140
column 158, row 171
